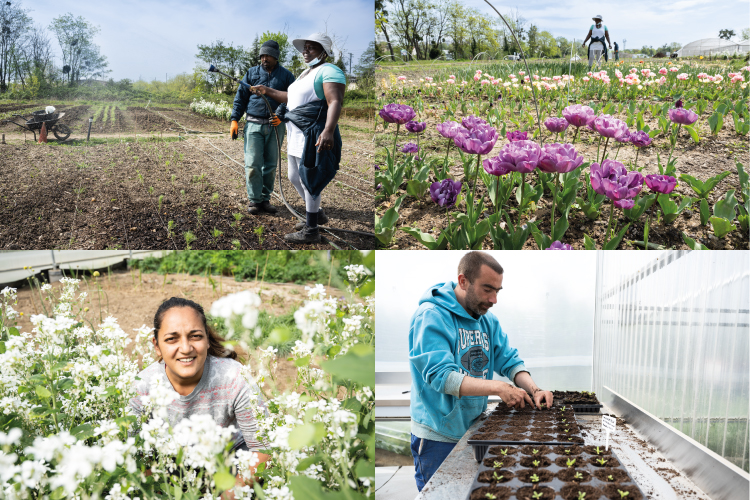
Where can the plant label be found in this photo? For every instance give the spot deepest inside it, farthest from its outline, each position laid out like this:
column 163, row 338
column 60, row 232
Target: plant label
column 608, row 423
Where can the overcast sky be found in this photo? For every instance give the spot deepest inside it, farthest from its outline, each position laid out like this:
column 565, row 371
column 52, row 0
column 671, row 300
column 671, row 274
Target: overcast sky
column 641, row 22
column 150, row 39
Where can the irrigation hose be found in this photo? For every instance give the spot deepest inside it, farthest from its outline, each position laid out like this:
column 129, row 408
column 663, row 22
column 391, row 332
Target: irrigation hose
column 278, row 166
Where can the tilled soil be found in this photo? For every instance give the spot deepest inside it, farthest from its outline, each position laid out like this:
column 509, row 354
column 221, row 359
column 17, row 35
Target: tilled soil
column 107, row 196
column 711, row 156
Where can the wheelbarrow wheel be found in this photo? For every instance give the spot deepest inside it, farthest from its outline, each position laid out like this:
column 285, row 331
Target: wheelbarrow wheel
column 61, row 131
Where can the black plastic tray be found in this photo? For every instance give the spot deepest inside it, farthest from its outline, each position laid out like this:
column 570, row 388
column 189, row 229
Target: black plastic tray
column 480, row 446
column 587, row 408
column 556, row 483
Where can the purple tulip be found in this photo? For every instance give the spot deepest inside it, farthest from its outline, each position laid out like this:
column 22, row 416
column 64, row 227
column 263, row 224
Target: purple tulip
column 683, row 116
column 661, row 183
column 449, row 129
column 479, row 140
column 556, row 125
column 410, row 147
column 590, row 124
column 493, row 166
column 517, row 136
column 445, row 192
column 520, row 156
column 397, row 113
column 472, row 121
column 619, row 184
column 609, row 169
column 578, row 115
column 611, row 127
column 678, row 104
column 559, row 246
column 624, row 137
column 640, row 139
column 377, row 167
column 416, row 127
column 626, row 203
column 559, row 158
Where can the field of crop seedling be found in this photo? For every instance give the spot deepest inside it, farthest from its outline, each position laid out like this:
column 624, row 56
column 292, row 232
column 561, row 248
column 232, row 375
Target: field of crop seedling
column 635, row 154
column 163, row 178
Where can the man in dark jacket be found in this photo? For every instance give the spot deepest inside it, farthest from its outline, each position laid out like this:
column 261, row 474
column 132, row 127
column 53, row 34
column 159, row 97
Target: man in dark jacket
column 261, row 149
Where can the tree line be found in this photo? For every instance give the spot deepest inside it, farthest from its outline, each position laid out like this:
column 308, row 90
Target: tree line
column 26, row 57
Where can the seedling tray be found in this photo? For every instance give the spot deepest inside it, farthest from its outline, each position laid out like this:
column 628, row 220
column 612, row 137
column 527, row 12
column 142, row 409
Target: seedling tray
column 582, row 465
column 587, row 408
column 574, row 399
column 480, row 446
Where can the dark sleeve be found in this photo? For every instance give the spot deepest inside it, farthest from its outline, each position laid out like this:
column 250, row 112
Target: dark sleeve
column 240, row 100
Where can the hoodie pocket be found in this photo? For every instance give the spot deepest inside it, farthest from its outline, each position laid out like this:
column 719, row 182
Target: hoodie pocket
column 465, row 411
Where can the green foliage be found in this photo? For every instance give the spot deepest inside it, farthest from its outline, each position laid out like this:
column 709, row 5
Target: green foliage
column 386, row 226
column 703, row 189
column 284, row 266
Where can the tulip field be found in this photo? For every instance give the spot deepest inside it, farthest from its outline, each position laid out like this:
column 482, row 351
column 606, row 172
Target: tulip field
column 634, row 154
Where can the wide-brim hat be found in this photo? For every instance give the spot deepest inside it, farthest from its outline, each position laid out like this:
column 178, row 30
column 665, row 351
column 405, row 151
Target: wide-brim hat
column 321, row 38
column 598, row 16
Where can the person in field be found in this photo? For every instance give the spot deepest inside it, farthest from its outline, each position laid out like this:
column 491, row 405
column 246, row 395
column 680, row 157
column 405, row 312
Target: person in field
column 455, row 347
column 598, row 32
column 261, row 148
column 204, row 375
column 311, row 112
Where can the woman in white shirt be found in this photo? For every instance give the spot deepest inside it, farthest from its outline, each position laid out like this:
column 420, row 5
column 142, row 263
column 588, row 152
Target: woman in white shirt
column 597, row 33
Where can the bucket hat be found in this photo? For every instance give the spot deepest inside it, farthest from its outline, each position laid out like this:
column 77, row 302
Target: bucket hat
column 598, row 16
column 321, row 38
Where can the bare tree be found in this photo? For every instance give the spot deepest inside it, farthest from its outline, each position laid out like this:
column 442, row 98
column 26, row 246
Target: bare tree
column 381, row 21
column 14, row 25
column 81, row 57
column 410, row 19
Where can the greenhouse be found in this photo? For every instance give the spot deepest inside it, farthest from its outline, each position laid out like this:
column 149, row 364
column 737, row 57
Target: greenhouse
column 658, row 341
column 714, row 47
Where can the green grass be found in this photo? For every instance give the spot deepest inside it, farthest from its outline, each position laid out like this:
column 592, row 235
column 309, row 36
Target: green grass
column 281, row 266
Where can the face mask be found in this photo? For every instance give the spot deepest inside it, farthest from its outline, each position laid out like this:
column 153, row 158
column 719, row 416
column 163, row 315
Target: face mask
column 314, row 62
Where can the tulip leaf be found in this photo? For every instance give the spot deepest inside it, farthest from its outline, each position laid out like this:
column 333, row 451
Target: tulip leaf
column 701, row 188
column 427, row 239
column 559, row 230
column 705, row 214
column 614, row 242
column 721, row 226
column 641, row 205
column 588, row 243
column 693, row 133
column 725, row 207
column 692, row 244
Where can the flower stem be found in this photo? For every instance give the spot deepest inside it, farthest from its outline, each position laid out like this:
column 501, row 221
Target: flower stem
column 611, row 213
column 597, row 149
column 520, row 205
column 445, row 161
column 576, row 135
column 679, row 126
column 554, row 200
column 637, row 150
column 476, row 174
column 497, row 192
column 395, row 139
column 604, row 153
column 618, row 151
column 645, row 232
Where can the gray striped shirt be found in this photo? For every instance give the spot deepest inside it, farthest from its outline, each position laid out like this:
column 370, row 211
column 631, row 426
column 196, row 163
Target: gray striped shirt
column 222, row 393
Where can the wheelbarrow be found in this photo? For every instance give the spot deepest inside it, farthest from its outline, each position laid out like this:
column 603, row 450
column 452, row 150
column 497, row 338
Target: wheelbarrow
column 38, row 118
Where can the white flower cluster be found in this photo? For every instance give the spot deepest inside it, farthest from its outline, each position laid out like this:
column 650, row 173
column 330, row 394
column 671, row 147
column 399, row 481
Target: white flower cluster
column 356, row 273
column 220, row 110
column 242, row 305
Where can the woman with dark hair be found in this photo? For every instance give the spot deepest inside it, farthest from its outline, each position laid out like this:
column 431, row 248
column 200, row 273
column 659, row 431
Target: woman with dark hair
column 205, row 375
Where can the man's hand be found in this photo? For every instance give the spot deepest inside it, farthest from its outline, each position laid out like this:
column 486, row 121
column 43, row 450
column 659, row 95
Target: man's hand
column 259, row 89
column 513, row 396
column 610, row 47
column 541, row 396
column 234, row 129
column 275, row 121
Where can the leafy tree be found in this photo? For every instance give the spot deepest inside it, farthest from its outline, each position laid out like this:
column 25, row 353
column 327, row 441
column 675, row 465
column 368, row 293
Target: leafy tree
column 282, row 39
column 81, row 55
column 745, row 34
column 547, row 45
column 15, row 23
column 726, row 34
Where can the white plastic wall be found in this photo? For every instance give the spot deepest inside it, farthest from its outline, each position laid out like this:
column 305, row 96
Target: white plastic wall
column 673, row 337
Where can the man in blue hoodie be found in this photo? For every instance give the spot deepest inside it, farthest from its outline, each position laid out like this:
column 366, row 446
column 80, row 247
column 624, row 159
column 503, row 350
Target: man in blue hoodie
column 455, row 347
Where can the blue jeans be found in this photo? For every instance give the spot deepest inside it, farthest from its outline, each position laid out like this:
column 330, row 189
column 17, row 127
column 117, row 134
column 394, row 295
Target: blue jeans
column 261, row 156
column 428, row 455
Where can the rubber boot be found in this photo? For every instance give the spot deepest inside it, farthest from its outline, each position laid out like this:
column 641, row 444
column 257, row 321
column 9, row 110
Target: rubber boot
column 306, row 235
column 322, row 220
